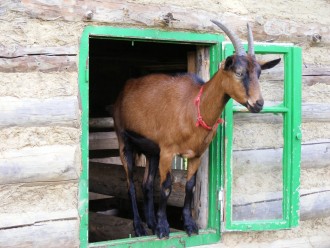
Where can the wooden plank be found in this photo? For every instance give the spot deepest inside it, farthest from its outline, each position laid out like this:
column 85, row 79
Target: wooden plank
column 103, row 140
column 43, row 63
column 27, row 112
column 111, row 180
column 314, row 203
column 311, row 112
column 313, row 155
column 106, row 122
column 38, row 84
column 29, row 204
column 39, row 164
column 119, row 12
column 201, row 197
column 108, row 160
column 104, row 227
column 51, row 234
column 15, row 51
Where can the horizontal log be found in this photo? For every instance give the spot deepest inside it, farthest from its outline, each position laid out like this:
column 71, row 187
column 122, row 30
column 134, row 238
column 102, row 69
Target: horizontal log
column 54, row 234
column 38, row 84
column 104, row 227
column 108, row 160
column 313, row 204
column 29, row 204
column 111, row 180
column 15, row 51
column 103, row 140
column 312, row 156
column 27, row 112
column 106, row 122
column 118, row 12
column 104, row 153
column 39, row 164
column 311, row 112
column 43, row 63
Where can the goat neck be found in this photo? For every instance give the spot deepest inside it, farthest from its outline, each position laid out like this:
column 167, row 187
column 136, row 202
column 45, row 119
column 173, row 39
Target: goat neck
column 213, row 99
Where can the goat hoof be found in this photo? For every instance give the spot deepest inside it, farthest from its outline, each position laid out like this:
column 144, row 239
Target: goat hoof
column 139, row 230
column 152, row 225
column 191, row 228
column 163, row 230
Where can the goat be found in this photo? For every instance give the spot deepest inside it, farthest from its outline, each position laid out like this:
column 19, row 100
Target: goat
column 156, row 115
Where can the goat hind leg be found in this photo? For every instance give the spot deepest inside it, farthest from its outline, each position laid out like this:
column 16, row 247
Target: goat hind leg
column 148, row 191
column 127, row 156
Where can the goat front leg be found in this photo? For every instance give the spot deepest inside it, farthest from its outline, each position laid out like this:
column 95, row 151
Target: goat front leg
column 148, row 191
column 163, row 228
column 189, row 223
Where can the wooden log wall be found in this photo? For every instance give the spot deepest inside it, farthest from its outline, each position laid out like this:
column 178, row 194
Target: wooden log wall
column 40, row 126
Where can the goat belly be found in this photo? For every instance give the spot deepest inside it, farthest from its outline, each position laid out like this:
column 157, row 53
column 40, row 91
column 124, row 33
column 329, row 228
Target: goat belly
column 142, row 144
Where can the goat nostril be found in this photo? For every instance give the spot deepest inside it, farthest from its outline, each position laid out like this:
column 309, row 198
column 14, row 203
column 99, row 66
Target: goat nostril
column 260, row 103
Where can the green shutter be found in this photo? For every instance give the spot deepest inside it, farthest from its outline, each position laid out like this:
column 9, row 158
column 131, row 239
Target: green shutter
column 290, row 110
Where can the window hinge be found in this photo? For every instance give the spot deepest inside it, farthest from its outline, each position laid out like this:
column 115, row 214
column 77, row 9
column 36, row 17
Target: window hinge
column 220, row 202
column 221, row 208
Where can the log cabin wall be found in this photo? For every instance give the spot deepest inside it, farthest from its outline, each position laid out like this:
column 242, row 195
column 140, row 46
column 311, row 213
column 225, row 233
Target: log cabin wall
column 40, row 117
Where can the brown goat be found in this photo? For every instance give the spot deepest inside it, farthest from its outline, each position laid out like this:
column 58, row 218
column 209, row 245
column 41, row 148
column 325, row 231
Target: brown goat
column 156, row 115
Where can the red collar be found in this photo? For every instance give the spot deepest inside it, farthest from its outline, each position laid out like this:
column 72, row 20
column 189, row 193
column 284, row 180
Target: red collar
column 200, row 121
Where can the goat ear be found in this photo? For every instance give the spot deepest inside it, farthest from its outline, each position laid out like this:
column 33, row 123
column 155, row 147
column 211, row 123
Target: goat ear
column 269, row 64
column 229, row 63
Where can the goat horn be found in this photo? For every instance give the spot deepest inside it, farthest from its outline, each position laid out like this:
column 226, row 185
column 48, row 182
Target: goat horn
column 250, row 40
column 233, row 37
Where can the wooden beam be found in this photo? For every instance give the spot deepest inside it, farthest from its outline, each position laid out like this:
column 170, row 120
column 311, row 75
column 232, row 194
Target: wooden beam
column 314, row 155
column 104, row 227
column 103, row 140
column 16, row 51
column 39, row 164
column 54, row 233
column 27, row 112
column 43, row 63
column 313, row 204
column 111, row 180
column 46, row 59
column 38, row 84
column 123, row 13
column 311, row 112
column 106, row 122
column 27, row 204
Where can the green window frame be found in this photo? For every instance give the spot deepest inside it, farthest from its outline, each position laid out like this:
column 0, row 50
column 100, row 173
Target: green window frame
column 290, row 108
column 178, row 239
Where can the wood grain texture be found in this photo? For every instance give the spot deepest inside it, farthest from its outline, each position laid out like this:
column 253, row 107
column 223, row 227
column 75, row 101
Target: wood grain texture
column 314, row 203
column 119, row 12
column 51, row 234
column 111, row 180
column 27, row 204
column 29, row 112
column 39, row 164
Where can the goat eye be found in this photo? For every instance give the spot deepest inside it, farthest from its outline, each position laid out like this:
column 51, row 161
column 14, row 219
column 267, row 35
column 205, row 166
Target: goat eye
column 239, row 74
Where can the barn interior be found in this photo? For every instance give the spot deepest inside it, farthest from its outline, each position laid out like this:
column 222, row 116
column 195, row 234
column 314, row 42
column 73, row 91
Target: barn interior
column 111, row 63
